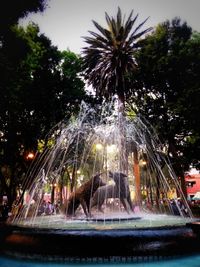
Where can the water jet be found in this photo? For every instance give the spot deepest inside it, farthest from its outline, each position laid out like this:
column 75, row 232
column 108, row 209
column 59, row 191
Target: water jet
column 99, row 141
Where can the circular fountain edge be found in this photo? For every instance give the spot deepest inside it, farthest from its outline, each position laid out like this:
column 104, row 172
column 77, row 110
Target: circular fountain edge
column 26, row 242
column 114, row 219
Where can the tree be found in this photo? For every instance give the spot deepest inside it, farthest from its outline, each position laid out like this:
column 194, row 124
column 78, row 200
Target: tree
column 12, row 11
column 108, row 61
column 54, row 80
column 168, row 90
column 109, row 56
column 10, row 59
column 38, row 90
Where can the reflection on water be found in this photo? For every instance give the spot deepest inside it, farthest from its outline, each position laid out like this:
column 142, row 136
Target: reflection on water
column 190, row 261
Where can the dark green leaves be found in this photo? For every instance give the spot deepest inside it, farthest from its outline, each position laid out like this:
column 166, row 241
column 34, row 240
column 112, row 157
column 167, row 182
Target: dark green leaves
column 109, row 57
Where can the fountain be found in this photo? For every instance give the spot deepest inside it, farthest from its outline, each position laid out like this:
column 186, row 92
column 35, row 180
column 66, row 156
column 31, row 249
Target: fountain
column 101, row 142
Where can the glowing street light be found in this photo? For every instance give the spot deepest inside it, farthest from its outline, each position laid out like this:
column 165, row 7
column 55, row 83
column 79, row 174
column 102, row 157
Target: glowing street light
column 30, row 155
column 99, row 146
column 144, row 163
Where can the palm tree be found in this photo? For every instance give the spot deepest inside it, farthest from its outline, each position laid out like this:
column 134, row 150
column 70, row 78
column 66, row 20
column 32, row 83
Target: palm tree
column 108, row 60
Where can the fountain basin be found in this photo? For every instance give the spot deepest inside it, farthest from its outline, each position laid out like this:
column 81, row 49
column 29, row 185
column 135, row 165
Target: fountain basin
column 99, row 242
column 88, row 147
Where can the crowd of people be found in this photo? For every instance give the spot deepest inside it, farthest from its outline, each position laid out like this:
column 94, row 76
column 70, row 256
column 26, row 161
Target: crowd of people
column 48, row 208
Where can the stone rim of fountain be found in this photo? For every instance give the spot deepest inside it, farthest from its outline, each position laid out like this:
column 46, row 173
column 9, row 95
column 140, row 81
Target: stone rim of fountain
column 61, row 244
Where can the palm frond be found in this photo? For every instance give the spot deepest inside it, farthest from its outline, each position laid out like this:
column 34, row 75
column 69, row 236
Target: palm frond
column 97, row 36
column 129, row 25
column 139, row 26
column 108, row 19
column 134, row 37
column 119, row 18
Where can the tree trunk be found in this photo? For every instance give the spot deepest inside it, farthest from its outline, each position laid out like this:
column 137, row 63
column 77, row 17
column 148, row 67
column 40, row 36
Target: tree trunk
column 178, row 168
column 136, row 171
column 52, row 194
column 123, row 157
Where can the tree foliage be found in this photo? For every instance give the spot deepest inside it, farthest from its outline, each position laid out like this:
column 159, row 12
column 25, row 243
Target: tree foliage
column 40, row 86
column 13, row 51
column 167, row 84
column 109, row 56
column 12, row 11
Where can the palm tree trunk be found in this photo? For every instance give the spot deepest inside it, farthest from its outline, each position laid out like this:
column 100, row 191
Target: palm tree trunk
column 123, row 157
